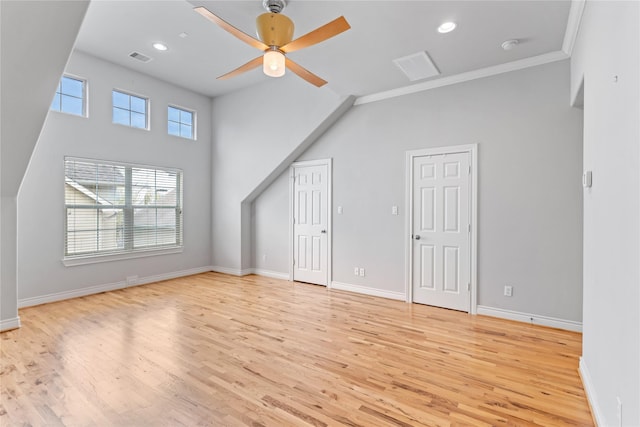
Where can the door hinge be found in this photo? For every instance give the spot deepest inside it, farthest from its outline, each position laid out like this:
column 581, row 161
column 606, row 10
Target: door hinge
column 469, row 169
column 469, row 228
column 468, row 287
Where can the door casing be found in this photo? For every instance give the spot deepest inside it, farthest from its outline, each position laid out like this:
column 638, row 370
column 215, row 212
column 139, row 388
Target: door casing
column 320, row 162
column 472, row 149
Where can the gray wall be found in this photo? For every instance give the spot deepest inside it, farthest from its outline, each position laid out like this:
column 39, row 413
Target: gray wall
column 608, row 45
column 530, row 196
column 270, row 228
column 41, row 197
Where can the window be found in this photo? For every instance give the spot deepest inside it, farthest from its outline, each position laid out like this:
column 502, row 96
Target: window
column 180, row 122
column 114, row 208
column 129, row 110
column 70, row 96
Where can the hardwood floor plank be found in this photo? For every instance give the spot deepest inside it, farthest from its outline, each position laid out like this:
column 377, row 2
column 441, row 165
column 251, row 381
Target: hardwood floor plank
column 217, row 350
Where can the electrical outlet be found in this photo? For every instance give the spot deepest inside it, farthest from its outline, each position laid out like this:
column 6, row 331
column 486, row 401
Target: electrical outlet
column 264, row 257
column 361, row 272
column 356, row 271
column 508, row 291
column 394, row 210
column 132, row 280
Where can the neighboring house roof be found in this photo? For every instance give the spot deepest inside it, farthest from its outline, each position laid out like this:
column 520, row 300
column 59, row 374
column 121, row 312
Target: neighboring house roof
column 81, row 188
column 94, row 173
column 90, row 194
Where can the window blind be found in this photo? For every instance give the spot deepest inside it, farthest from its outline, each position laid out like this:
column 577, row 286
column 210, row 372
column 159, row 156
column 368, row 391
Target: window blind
column 114, row 208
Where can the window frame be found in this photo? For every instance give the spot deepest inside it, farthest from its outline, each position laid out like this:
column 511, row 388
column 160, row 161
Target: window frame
column 147, row 103
column 84, row 98
column 194, row 121
column 128, row 251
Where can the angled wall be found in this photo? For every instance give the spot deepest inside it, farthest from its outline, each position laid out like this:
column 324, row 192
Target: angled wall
column 254, row 133
column 35, row 42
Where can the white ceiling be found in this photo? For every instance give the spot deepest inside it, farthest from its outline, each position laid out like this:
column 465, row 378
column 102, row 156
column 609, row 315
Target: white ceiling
column 356, row 62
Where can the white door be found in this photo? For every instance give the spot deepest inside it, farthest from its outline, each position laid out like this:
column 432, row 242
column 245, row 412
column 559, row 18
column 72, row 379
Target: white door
column 441, row 230
column 310, row 223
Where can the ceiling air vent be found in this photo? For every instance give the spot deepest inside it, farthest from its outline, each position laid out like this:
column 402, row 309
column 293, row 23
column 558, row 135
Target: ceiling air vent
column 417, row 66
column 139, row 57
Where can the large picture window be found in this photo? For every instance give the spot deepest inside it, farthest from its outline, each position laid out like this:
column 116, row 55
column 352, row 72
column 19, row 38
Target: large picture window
column 115, row 208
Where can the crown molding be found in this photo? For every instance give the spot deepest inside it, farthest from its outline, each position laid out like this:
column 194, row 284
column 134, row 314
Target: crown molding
column 465, row 77
column 573, row 25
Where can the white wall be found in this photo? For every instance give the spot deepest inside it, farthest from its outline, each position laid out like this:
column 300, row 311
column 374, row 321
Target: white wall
column 255, row 131
column 41, row 197
column 608, row 45
column 36, row 40
column 530, row 197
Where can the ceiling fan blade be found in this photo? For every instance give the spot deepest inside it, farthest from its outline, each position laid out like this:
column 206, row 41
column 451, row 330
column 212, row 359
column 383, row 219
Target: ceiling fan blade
column 318, row 35
column 230, row 28
column 254, row 63
column 304, row 73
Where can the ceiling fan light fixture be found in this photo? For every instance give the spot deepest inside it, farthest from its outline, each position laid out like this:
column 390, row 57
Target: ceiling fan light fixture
column 273, row 63
column 447, row 27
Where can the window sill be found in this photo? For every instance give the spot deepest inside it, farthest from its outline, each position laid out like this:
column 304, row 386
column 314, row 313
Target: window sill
column 94, row 259
column 66, row 113
column 148, row 128
column 187, row 138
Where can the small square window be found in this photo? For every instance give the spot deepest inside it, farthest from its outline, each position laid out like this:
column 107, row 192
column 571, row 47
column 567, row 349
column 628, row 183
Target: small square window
column 181, row 122
column 129, row 110
column 70, row 96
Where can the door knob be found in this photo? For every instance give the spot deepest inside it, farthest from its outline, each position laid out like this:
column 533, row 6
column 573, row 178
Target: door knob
column 323, row 231
column 417, row 237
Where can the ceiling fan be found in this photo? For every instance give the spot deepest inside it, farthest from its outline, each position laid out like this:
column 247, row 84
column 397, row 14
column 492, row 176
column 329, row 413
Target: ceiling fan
column 275, row 31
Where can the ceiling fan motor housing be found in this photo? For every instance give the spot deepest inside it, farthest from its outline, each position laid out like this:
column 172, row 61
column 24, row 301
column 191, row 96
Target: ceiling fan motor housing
column 274, row 29
column 274, row 6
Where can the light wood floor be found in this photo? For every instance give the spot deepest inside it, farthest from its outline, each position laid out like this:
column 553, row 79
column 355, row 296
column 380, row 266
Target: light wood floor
column 218, row 350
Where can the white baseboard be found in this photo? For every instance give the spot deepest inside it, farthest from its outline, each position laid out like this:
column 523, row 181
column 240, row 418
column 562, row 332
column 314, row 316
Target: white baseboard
column 368, row 291
column 272, row 274
column 534, row 319
column 9, row 324
column 172, row 275
column 232, row 271
column 590, row 391
column 59, row 296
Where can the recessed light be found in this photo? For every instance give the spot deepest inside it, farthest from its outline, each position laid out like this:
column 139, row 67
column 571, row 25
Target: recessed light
column 160, row 46
column 447, row 27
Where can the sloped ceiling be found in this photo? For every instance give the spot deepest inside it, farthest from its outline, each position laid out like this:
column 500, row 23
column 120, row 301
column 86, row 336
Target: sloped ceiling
column 35, row 49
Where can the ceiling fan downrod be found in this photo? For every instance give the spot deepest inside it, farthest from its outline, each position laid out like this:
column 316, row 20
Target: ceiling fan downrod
column 274, row 6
